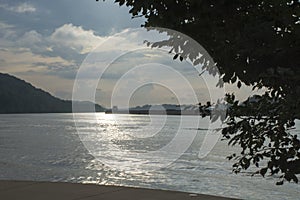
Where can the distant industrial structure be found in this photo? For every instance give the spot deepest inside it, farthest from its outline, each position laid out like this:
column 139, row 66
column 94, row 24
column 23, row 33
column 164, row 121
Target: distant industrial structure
column 169, row 109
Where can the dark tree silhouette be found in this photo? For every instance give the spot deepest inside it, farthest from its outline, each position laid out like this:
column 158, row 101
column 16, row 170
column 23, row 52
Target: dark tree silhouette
column 253, row 42
column 18, row 96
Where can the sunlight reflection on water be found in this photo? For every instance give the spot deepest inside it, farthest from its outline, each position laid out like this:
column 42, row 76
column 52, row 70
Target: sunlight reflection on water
column 47, row 148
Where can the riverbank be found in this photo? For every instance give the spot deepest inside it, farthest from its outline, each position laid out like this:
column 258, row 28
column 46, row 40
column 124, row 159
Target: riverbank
column 30, row 190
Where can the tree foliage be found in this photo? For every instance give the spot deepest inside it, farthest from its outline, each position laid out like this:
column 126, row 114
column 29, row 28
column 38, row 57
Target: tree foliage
column 18, row 96
column 253, row 42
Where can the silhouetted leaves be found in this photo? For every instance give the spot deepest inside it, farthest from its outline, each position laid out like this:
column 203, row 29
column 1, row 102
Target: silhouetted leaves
column 175, row 57
column 263, row 171
column 255, row 43
column 239, row 84
column 279, row 183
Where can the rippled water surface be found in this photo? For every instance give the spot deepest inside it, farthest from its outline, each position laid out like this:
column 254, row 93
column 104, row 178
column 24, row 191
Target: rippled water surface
column 47, row 147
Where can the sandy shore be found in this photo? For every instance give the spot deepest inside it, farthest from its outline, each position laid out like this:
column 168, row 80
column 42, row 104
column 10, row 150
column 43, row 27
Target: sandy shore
column 28, row 190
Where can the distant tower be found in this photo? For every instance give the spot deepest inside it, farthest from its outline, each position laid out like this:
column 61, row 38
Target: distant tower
column 115, row 109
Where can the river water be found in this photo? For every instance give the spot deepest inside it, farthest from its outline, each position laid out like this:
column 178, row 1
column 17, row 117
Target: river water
column 49, row 147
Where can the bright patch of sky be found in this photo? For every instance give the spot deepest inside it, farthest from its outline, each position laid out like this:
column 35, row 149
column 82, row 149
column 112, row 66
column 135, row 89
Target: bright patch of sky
column 19, row 8
column 45, row 43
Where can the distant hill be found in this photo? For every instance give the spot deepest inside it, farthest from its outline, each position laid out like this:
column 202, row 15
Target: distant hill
column 18, row 96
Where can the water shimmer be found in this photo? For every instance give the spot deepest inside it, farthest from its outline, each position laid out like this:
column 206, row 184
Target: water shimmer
column 47, row 147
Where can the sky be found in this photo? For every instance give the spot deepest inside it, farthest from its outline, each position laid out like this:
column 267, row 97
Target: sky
column 46, row 43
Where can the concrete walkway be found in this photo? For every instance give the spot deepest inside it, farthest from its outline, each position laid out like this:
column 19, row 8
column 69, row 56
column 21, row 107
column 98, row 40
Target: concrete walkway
column 23, row 190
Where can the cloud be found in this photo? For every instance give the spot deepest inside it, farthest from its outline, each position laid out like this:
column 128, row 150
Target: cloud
column 57, row 56
column 32, row 37
column 5, row 26
column 76, row 38
column 6, row 31
column 63, row 69
column 20, row 8
column 44, row 42
column 22, row 60
column 59, row 53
